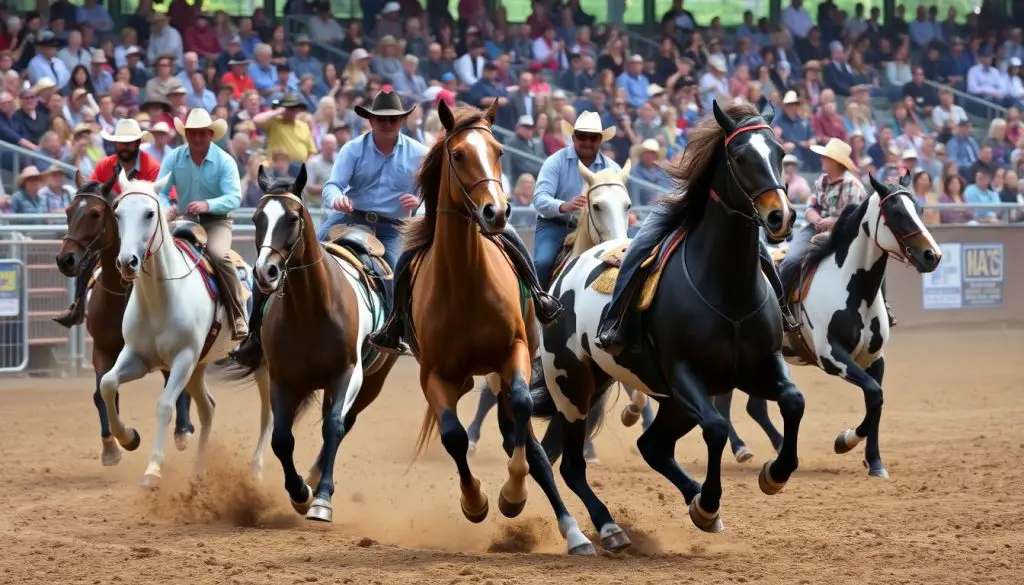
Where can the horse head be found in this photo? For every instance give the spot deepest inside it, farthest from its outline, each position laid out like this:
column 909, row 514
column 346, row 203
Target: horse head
column 141, row 223
column 754, row 159
column 89, row 224
column 897, row 228
column 606, row 216
column 282, row 224
column 474, row 169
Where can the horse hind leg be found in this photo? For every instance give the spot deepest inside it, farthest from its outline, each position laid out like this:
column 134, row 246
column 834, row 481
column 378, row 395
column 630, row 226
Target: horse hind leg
column 111, row 453
column 512, row 498
column 723, row 404
column 770, row 381
column 343, row 394
column 126, row 368
column 266, row 422
column 870, row 382
column 757, row 409
column 488, row 398
column 198, row 390
column 183, row 428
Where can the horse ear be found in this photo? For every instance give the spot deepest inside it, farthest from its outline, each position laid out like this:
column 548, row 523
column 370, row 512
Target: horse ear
column 300, row 182
column 492, row 112
column 107, row 188
column 588, row 177
column 767, row 110
column 160, row 183
column 79, row 179
column 624, row 173
column 446, row 116
column 723, row 119
column 878, row 187
column 906, row 179
column 122, row 180
column 262, row 179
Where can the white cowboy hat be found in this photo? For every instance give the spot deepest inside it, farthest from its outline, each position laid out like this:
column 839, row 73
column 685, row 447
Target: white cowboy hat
column 127, row 130
column 838, row 151
column 791, row 98
column 199, row 119
column 589, row 122
column 160, row 127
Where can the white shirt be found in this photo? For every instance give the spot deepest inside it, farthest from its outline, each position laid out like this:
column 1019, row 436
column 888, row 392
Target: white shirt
column 465, row 69
column 797, row 22
column 987, row 81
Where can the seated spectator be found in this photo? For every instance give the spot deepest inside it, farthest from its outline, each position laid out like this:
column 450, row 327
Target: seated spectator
column 163, row 40
column 797, row 136
column 262, row 72
column 981, row 193
column 356, row 37
column 27, row 198
column 961, row 148
column 947, row 115
column 796, row 185
column 408, row 84
column 996, row 139
column 160, row 146
column 387, row 60
column 526, row 141
column 984, row 80
column 985, row 162
column 647, row 158
column 898, row 71
column 838, row 74
column 714, row 84
column 251, row 191
column 1011, row 194
column 522, row 193
column 925, row 195
column 954, row 193
column 924, row 96
column 827, row 123
column 356, row 75
column 202, row 39
column 548, row 52
column 858, row 119
column 30, row 122
column 324, row 29
column 286, row 133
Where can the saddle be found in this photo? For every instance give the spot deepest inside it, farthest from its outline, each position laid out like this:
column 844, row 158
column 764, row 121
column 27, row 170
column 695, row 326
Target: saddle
column 201, row 259
column 656, row 262
column 797, row 286
column 358, row 237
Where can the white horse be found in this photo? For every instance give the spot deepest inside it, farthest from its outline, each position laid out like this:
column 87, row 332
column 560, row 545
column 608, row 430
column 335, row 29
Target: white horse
column 166, row 324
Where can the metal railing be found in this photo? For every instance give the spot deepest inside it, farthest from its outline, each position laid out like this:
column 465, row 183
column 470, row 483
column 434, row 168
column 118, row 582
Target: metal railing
column 14, row 158
column 972, row 104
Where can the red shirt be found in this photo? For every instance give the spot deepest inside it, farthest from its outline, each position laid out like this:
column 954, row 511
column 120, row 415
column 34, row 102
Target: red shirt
column 149, row 169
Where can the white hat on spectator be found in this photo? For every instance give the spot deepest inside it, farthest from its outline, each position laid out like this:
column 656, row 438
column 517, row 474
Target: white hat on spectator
column 525, row 120
column 790, row 159
column 717, row 62
column 29, row 172
column 391, row 7
column 908, row 154
column 838, row 151
column 559, row 94
column 655, row 89
column 127, row 130
column 1015, row 61
column 98, row 58
column 43, row 84
column 430, row 94
column 791, row 98
column 636, row 58
column 589, row 122
column 358, row 54
column 199, row 119
column 160, row 127
column 649, row 145
column 133, row 50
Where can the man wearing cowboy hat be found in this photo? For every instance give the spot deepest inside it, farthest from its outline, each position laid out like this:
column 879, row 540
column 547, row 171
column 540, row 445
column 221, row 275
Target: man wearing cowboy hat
column 286, row 132
column 560, row 193
column 838, row 186
column 127, row 139
column 209, row 188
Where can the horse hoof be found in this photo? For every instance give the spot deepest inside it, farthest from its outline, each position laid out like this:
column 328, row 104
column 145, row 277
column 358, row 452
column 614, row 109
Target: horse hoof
column 583, row 550
column 743, row 455
column 321, row 511
column 150, row 481
column 472, row 449
column 111, row 452
column 478, row 516
column 708, row 522
column 181, row 440
column 629, row 416
column 303, row 507
column 877, row 471
column 616, row 542
column 846, row 441
column 135, row 441
column 509, row 509
column 768, row 485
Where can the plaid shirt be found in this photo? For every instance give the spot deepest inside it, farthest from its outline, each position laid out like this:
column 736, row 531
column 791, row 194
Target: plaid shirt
column 829, row 199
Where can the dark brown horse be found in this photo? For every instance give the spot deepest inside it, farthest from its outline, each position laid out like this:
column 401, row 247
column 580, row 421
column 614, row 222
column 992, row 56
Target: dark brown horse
column 92, row 232
column 470, row 315
column 314, row 332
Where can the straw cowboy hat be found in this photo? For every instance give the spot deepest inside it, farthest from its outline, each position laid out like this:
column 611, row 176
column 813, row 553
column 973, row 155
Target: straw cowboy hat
column 838, row 151
column 589, row 122
column 385, row 103
column 29, row 172
column 649, row 145
column 127, row 130
column 199, row 119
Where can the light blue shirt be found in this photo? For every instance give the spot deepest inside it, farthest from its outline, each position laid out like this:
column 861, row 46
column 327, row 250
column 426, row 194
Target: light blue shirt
column 215, row 181
column 39, row 67
column 262, row 78
column 559, row 181
column 637, row 88
column 655, row 175
column 372, row 181
column 977, row 195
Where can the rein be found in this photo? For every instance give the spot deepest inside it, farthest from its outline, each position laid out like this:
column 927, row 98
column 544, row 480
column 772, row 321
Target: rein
column 590, row 208
column 294, row 245
column 467, row 202
column 751, row 217
column 149, row 247
column 899, row 256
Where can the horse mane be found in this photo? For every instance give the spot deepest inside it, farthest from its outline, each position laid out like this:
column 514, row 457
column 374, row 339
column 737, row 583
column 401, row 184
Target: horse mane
column 418, row 232
column 843, row 233
column 280, row 185
column 694, row 171
column 91, row 187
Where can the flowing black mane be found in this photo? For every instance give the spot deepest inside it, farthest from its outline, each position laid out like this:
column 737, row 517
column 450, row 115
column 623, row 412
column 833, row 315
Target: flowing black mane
column 693, row 174
column 418, row 232
column 279, row 185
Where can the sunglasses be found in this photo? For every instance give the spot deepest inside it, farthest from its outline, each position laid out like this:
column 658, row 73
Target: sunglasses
column 587, row 137
column 388, row 119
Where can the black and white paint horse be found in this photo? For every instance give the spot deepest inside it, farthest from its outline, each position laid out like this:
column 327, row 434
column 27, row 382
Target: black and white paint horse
column 843, row 314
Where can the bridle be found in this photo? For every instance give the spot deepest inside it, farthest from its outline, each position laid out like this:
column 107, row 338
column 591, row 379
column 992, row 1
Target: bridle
column 88, row 246
column 590, row 207
column 469, row 207
column 752, row 216
column 899, row 256
column 152, row 238
column 286, row 257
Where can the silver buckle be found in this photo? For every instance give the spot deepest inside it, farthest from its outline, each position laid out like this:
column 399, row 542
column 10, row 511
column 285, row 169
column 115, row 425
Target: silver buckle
column 371, row 217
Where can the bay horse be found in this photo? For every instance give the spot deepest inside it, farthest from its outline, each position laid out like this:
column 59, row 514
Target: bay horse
column 712, row 324
column 92, row 233
column 172, row 319
column 325, row 303
column 837, row 288
column 606, row 217
column 471, row 316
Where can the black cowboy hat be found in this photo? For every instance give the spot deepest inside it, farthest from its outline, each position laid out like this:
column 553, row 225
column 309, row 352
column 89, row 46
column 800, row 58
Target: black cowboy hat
column 290, row 100
column 156, row 101
column 386, row 103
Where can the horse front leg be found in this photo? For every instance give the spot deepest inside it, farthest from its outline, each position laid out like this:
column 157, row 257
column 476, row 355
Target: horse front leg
column 182, row 367
column 770, row 381
column 723, row 404
column 343, row 393
column 282, row 442
column 516, row 374
column 183, row 428
column 841, row 364
column 126, row 368
column 111, row 454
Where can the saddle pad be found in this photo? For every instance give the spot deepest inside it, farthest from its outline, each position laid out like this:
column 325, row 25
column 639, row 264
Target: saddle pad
column 339, row 251
column 605, row 282
column 658, row 258
column 202, row 264
column 806, row 276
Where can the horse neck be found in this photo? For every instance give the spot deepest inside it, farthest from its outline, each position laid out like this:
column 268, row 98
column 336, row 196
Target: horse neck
column 110, row 277
column 584, row 240
column 722, row 255
column 458, row 245
column 865, row 260
column 308, row 289
column 165, row 271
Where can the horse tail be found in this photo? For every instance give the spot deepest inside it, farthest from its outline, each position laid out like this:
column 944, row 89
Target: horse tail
column 543, row 406
column 427, row 431
column 595, row 418
column 231, row 371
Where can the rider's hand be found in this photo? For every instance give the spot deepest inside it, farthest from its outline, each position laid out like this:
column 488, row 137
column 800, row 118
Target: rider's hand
column 172, row 213
column 409, row 201
column 197, row 207
column 342, row 203
column 826, row 224
column 577, row 202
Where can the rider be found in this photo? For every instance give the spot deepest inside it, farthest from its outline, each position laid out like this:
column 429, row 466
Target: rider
column 127, row 138
column 560, row 192
column 386, row 116
column 208, row 186
column 613, row 331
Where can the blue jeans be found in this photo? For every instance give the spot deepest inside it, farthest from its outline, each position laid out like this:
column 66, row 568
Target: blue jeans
column 546, row 243
column 801, row 239
column 385, row 232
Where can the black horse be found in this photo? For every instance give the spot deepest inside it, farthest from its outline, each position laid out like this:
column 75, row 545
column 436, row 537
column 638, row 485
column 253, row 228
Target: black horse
column 713, row 324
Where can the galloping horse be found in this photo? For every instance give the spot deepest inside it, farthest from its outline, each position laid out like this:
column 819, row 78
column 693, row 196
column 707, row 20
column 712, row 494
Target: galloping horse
column 328, row 301
column 172, row 320
column 844, row 326
column 606, row 217
column 470, row 315
column 92, row 232
column 711, row 325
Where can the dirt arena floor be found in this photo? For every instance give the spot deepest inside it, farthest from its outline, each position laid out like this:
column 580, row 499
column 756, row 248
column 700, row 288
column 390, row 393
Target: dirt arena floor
column 953, row 512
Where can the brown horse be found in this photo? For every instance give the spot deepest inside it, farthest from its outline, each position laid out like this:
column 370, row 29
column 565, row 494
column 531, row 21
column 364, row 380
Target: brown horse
column 471, row 316
column 92, row 231
column 314, row 332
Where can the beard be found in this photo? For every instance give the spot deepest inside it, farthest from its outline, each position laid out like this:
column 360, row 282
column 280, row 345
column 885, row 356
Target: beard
column 128, row 154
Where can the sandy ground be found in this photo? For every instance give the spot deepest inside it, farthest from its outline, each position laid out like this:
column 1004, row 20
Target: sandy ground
column 953, row 512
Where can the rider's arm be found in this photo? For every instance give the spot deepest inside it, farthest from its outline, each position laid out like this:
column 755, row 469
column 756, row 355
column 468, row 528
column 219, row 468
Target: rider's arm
column 545, row 194
column 230, row 186
column 341, row 174
column 813, row 212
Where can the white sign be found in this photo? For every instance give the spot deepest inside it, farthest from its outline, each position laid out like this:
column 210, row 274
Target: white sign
column 10, row 307
column 941, row 289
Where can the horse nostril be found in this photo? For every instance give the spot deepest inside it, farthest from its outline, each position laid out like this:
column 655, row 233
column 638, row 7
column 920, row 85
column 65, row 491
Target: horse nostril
column 774, row 220
column 117, row 263
column 134, row 263
column 272, row 272
column 508, row 212
column 929, row 256
column 792, row 220
column 66, row 261
column 488, row 212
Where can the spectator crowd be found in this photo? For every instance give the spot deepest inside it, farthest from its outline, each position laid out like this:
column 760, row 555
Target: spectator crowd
column 288, row 97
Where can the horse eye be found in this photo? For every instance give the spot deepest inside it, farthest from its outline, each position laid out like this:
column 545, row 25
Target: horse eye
column 293, row 219
column 501, row 153
column 458, row 155
column 95, row 214
column 597, row 207
column 150, row 214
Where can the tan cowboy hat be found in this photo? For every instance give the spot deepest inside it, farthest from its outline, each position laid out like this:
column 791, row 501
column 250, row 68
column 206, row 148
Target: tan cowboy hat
column 53, row 170
column 649, row 145
column 29, row 172
column 838, row 151
column 199, row 119
column 589, row 122
column 127, row 130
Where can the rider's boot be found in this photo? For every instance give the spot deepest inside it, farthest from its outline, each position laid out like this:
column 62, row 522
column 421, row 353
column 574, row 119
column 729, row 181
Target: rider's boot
column 389, row 338
column 75, row 313
column 789, row 322
column 547, row 307
column 249, row 353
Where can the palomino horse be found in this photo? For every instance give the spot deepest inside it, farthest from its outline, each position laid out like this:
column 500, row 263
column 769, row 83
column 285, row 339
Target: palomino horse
column 606, row 217
column 314, row 332
column 470, row 315
column 172, row 321
column 844, row 326
column 92, row 232
column 712, row 324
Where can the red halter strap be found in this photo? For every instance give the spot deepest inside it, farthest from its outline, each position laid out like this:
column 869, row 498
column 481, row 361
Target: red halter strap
column 744, row 129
